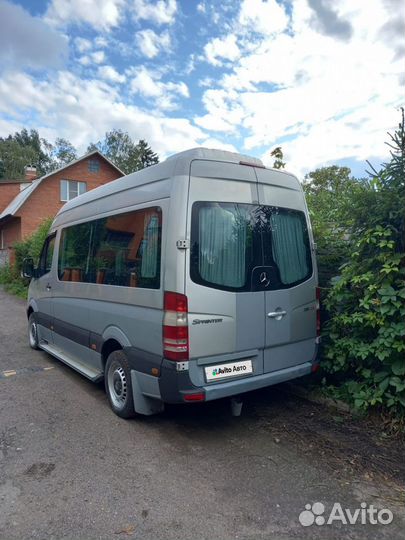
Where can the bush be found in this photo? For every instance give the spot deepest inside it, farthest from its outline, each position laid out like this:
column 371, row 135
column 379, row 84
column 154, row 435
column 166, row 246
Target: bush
column 365, row 343
column 10, row 275
column 32, row 245
column 364, row 339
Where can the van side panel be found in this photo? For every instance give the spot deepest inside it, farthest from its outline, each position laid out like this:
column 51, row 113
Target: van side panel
column 85, row 312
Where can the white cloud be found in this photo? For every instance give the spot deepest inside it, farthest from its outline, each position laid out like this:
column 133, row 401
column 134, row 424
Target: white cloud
column 98, row 57
column 225, row 48
column 263, row 16
column 27, row 41
column 101, row 14
column 211, row 122
column 101, row 42
column 160, row 12
column 86, row 109
column 109, row 73
column 83, row 45
column 211, row 142
column 321, row 97
column 85, row 60
column 359, row 136
column 224, row 112
column 147, row 83
column 322, row 80
column 95, row 57
column 151, row 44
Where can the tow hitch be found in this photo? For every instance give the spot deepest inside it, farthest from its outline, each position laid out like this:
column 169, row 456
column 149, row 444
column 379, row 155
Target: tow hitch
column 236, row 405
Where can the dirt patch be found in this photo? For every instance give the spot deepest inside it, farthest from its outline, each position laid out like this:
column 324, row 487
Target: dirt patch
column 39, row 471
column 345, row 443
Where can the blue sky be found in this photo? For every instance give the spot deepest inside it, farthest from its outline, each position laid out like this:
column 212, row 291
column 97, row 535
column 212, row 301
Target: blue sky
column 322, row 79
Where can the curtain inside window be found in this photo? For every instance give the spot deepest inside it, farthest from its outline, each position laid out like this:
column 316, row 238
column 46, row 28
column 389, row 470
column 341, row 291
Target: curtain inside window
column 222, row 241
column 150, row 247
column 288, row 246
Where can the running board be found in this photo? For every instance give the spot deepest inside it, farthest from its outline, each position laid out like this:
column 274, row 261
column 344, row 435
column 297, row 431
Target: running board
column 87, row 371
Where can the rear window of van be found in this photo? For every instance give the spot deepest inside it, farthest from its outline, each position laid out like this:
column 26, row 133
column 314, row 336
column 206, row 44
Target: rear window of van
column 230, row 241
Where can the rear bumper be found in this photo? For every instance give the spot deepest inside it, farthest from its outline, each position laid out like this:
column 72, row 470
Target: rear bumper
column 231, row 388
column 174, row 385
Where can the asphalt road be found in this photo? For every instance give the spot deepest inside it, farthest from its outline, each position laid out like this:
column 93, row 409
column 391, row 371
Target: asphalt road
column 69, row 468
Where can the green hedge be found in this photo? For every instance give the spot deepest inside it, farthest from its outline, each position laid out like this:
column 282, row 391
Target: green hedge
column 10, row 275
column 363, row 355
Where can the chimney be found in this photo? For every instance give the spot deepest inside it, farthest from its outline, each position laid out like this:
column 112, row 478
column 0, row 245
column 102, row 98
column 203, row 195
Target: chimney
column 30, row 173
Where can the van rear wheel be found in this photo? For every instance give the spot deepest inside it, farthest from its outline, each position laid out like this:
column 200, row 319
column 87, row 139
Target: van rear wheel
column 33, row 332
column 118, row 385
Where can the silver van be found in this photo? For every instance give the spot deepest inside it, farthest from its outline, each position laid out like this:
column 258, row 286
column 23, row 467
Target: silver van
column 188, row 281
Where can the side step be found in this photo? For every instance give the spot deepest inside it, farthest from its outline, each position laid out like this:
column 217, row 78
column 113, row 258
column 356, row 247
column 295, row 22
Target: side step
column 92, row 374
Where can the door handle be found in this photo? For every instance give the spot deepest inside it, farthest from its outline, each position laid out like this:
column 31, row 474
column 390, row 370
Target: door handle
column 48, row 287
column 278, row 315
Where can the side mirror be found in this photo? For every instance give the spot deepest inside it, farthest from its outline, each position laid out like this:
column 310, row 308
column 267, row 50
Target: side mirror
column 28, row 270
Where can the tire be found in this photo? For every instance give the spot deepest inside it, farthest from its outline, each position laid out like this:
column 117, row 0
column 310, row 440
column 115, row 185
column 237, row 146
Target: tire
column 33, row 332
column 118, row 385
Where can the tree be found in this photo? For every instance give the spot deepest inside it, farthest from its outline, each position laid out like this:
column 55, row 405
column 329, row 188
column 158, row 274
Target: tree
column 119, row 148
column 40, row 147
column 28, row 148
column 277, row 153
column 388, row 204
column 15, row 158
column 331, row 194
column 146, row 156
column 63, row 152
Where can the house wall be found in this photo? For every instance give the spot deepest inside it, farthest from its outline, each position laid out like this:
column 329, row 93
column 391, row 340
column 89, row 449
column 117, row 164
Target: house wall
column 7, row 193
column 45, row 200
column 10, row 232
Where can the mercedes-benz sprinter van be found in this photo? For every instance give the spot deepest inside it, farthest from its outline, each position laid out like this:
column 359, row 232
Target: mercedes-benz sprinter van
column 191, row 280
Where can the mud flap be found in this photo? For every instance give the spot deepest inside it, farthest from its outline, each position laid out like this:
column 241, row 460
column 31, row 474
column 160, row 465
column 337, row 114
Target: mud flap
column 144, row 387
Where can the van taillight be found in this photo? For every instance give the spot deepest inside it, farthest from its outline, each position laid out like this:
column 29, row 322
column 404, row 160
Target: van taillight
column 318, row 311
column 175, row 327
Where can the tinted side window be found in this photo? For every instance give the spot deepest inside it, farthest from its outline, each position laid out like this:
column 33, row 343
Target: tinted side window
column 121, row 250
column 45, row 260
column 74, row 252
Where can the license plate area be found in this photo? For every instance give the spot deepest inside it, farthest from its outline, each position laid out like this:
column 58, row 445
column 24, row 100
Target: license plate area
column 228, row 370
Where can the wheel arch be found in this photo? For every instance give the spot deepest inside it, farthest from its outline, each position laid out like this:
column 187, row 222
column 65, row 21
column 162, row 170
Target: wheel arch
column 114, row 339
column 107, row 348
column 32, row 308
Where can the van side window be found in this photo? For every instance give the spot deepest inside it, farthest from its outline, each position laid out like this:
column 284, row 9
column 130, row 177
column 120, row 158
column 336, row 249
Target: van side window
column 122, row 250
column 74, row 252
column 45, row 260
column 232, row 241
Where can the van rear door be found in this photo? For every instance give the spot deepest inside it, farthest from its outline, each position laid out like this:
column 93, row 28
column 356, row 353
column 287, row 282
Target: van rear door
column 226, row 322
column 289, row 265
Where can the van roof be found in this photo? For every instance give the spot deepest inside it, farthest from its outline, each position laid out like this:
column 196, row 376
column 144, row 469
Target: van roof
column 175, row 164
column 215, row 155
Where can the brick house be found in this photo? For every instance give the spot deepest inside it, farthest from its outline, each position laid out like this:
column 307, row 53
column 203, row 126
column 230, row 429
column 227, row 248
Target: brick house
column 24, row 204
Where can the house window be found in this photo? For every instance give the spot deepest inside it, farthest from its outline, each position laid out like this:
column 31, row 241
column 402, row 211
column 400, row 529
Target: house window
column 69, row 189
column 94, row 165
